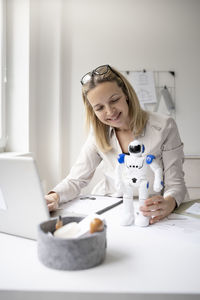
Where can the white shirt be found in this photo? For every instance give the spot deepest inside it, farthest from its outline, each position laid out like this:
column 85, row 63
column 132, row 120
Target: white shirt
column 160, row 138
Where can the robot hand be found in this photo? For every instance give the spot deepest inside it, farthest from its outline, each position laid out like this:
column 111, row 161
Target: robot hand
column 158, row 185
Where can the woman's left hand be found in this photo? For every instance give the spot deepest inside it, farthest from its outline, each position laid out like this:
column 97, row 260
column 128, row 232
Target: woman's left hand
column 158, row 207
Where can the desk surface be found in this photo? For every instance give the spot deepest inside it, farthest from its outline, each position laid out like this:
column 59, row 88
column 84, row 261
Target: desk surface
column 159, row 259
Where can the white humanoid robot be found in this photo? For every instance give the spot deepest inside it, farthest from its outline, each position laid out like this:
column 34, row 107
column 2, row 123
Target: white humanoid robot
column 136, row 177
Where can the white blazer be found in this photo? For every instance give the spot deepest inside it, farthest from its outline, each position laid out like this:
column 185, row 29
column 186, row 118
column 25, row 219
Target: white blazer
column 160, row 138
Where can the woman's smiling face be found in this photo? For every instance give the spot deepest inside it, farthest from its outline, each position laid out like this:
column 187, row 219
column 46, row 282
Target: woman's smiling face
column 110, row 104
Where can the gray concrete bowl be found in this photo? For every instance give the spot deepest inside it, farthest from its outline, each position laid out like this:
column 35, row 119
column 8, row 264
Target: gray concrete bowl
column 70, row 254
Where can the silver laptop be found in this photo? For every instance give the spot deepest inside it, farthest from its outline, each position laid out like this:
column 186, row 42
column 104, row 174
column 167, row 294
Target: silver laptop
column 22, row 203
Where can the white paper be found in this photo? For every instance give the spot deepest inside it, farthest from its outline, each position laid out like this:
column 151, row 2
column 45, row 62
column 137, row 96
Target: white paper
column 194, row 209
column 186, row 228
column 144, row 86
column 88, row 206
column 2, row 201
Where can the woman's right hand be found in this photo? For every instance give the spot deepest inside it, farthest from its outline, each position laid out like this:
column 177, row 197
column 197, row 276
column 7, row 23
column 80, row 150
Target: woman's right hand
column 52, row 200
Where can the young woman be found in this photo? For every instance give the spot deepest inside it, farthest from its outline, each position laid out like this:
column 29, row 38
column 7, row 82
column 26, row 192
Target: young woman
column 115, row 118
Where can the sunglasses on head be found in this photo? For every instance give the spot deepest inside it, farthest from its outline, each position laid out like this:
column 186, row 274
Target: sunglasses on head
column 101, row 70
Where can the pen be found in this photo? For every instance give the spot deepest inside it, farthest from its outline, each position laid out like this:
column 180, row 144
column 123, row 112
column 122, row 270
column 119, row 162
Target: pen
column 101, row 211
column 176, row 218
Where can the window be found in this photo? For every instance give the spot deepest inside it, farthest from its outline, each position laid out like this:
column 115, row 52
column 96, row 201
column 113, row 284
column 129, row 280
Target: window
column 2, row 75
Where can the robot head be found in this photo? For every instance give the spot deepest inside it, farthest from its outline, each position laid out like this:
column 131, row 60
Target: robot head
column 136, row 148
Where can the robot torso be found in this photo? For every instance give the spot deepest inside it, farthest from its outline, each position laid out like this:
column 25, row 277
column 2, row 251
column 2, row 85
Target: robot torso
column 136, row 169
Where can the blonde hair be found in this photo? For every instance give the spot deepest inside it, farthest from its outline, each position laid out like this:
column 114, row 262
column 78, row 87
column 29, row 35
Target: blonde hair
column 137, row 115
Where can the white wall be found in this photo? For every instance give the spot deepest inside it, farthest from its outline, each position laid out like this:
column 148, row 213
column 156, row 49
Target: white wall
column 17, row 87
column 33, row 90
column 150, row 34
column 45, row 88
column 69, row 38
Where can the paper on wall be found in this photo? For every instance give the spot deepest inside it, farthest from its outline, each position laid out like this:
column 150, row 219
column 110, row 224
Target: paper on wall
column 144, row 86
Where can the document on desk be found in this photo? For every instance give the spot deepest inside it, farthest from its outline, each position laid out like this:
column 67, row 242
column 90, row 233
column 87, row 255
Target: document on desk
column 194, row 209
column 90, row 204
column 178, row 226
column 190, row 209
column 175, row 226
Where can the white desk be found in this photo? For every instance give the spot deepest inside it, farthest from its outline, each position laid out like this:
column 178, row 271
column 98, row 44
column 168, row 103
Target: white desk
column 141, row 263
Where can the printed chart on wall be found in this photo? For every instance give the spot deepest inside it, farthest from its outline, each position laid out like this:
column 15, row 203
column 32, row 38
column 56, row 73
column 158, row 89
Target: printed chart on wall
column 155, row 89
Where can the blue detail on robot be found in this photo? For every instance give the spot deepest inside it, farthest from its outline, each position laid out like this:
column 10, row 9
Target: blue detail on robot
column 147, row 185
column 121, row 158
column 162, row 183
column 143, row 148
column 149, row 159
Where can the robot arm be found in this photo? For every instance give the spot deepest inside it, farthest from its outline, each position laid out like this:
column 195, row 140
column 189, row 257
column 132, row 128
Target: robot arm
column 158, row 173
column 118, row 172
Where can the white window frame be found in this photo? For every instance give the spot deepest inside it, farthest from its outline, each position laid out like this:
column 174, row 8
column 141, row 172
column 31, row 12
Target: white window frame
column 2, row 75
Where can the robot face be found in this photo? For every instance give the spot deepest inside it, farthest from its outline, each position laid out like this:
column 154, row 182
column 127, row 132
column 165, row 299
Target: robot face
column 136, row 148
